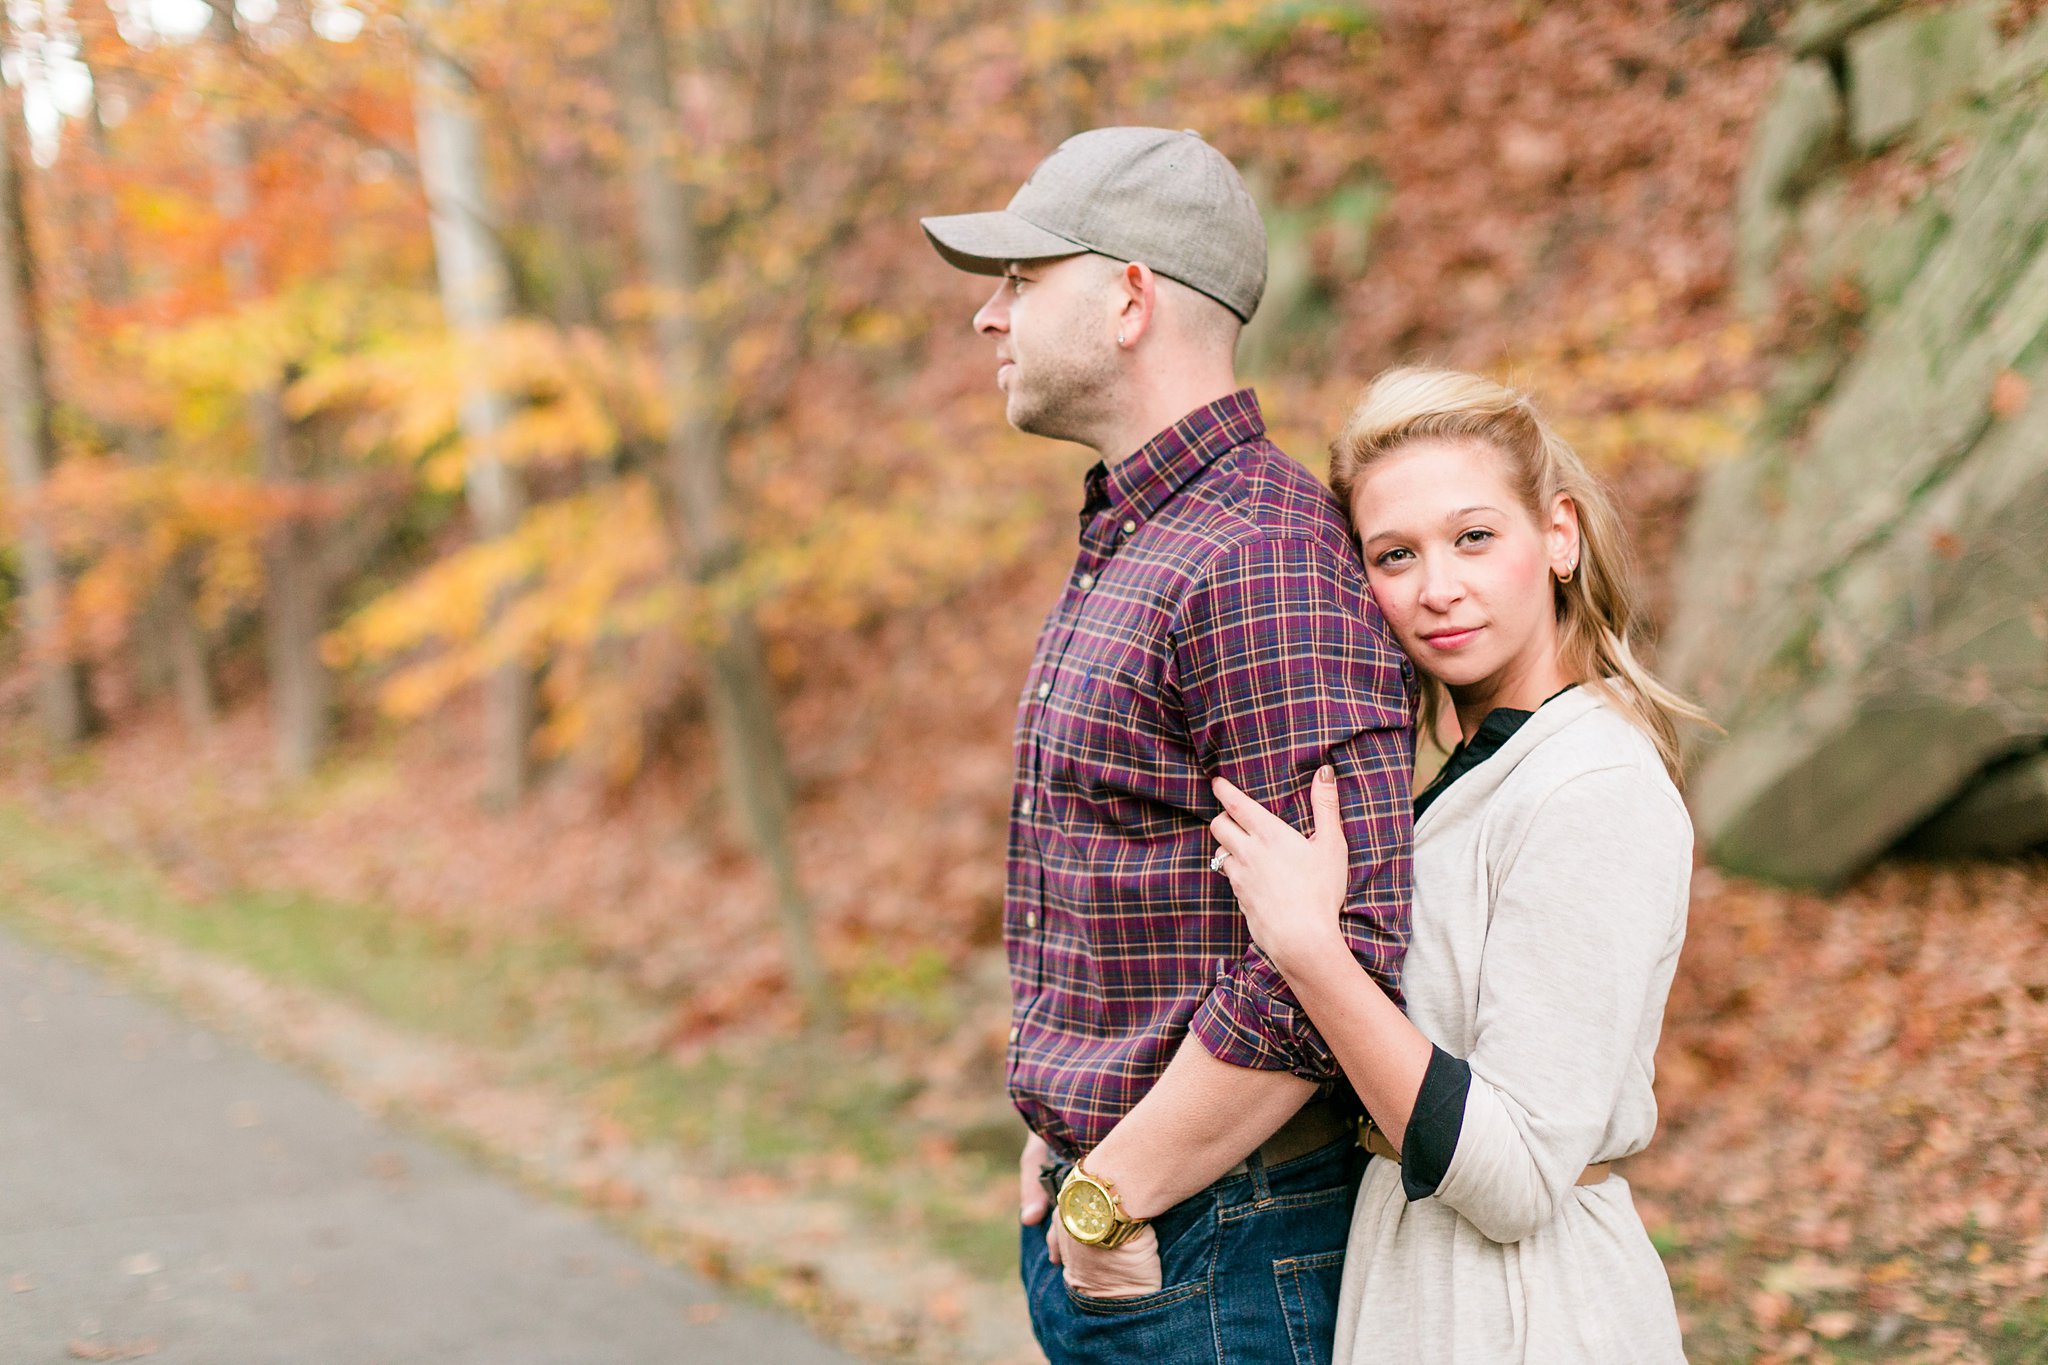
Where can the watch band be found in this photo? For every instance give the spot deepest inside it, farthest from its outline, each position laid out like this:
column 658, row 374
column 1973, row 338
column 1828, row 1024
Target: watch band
column 1052, row 1178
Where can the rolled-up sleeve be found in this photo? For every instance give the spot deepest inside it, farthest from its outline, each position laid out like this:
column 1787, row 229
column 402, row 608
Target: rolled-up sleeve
column 1283, row 664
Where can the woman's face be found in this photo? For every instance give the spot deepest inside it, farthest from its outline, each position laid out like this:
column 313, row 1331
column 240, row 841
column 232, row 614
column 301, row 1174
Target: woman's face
column 1460, row 568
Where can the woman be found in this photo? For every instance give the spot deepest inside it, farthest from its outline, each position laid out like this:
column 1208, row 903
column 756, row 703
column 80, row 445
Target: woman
column 1552, row 857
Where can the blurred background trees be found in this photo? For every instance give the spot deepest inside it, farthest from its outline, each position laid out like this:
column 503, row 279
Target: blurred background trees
column 558, row 358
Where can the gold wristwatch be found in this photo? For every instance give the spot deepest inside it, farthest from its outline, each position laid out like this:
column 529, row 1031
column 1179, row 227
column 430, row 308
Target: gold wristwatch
column 1091, row 1212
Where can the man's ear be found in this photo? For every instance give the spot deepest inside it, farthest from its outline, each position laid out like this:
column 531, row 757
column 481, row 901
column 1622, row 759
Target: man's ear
column 1137, row 301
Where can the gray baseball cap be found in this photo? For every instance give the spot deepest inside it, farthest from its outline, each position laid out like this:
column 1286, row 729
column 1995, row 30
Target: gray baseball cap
column 1165, row 198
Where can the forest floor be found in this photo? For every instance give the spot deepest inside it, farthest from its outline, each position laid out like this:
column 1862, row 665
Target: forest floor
column 1850, row 1166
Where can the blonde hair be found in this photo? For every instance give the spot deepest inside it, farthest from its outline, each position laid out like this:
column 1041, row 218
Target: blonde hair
column 1598, row 612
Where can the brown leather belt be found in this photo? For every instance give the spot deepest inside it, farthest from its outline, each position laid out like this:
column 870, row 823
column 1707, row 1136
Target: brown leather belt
column 1373, row 1140
column 1314, row 1126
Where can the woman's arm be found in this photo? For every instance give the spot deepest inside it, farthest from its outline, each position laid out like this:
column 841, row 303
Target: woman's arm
column 1290, row 889
column 1584, row 927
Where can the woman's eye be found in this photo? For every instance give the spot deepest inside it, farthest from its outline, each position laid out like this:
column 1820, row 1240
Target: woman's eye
column 1476, row 536
column 1388, row 559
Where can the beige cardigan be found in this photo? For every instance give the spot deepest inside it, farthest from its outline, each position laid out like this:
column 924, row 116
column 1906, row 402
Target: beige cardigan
column 1550, row 899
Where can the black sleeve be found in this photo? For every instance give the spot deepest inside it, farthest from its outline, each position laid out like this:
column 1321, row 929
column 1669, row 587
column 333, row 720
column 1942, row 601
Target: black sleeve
column 1432, row 1137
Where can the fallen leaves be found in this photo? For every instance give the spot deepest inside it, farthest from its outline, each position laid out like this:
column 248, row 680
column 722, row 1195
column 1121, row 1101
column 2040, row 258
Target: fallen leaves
column 611, row 1194
column 1855, row 1136
column 1806, row 1275
column 1833, row 1326
column 2008, row 394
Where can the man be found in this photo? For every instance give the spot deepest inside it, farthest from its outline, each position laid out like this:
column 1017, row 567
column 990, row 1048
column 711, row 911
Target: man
column 1216, row 622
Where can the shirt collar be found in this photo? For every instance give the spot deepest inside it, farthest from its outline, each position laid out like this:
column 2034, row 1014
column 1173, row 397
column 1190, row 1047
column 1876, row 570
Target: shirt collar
column 1142, row 483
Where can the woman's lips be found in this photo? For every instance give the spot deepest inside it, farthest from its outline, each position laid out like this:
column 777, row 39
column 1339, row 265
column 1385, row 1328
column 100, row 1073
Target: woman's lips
column 1452, row 639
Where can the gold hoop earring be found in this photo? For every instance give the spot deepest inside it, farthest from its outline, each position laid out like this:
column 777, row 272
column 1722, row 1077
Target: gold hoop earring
column 1567, row 575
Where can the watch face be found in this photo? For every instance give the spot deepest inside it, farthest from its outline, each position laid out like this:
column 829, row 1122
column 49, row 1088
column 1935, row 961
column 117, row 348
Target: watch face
column 1086, row 1211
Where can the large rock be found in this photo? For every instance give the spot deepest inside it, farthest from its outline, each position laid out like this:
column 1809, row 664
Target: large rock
column 1875, row 248
column 1794, row 137
column 1920, row 663
column 2022, row 62
column 1818, row 29
column 1863, row 599
column 1903, row 67
column 2005, row 813
column 1895, row 252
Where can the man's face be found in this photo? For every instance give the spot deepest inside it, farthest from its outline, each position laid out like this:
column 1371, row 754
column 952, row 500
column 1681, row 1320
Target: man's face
column 1054, row 325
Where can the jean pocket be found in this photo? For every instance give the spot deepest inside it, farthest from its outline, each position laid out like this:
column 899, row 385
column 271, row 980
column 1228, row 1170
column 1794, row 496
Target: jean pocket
column 1177, row 1324
column 1308, row 1288
column 1187, row 1260
column 1139, row 1303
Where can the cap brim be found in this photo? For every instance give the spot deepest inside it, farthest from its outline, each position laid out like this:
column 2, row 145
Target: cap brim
column 983, row 243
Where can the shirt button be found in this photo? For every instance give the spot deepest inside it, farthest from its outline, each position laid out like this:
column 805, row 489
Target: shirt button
column 1086, row 581
column 1015, row 1033
column 1044, row 690
column 1129, row 526
column 1024, row 806
column 1030, row 919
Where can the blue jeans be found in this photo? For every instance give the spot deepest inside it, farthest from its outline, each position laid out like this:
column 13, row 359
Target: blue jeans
column 1250, row 1269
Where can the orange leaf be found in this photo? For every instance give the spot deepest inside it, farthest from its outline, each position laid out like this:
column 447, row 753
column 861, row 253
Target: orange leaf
column 2008, row 394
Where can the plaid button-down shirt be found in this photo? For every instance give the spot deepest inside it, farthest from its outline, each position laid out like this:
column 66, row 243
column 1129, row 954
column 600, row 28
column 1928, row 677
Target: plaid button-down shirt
column 1216, row 623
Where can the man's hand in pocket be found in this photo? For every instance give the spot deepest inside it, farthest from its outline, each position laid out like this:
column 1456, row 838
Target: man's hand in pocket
column 1124, row 1272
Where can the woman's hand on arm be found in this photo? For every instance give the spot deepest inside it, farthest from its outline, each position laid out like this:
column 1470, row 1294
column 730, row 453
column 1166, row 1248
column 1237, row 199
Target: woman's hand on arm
column 1290, row 887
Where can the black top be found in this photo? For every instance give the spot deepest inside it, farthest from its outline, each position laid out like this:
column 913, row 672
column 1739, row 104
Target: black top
column 1432, row 1137
column 1497, row 729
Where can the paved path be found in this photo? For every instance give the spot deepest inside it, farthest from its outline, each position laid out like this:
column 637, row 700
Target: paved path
column 168, row 1196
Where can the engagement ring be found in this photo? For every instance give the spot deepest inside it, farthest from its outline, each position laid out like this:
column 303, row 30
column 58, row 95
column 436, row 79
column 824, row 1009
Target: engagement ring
column 1216, row 863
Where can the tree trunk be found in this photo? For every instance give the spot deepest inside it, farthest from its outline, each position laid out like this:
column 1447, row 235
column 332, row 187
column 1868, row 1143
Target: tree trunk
column 301, row 691
column 750, row 747
column 170, row 646
column 170, row 640
column 476, row 295
column 25, row 427
column 108, row 268
column 295, row 591
column 191, row 674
